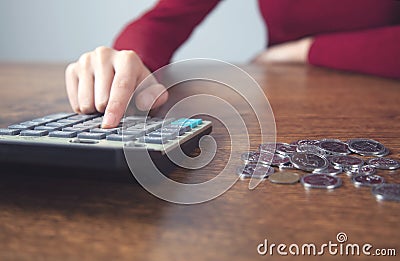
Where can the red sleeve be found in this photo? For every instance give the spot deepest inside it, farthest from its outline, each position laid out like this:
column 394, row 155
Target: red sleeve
column 374, row 51
column 158, row 33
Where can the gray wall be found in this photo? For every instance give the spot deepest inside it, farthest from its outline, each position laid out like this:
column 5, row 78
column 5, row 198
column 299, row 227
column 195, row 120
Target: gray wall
column 61, row 30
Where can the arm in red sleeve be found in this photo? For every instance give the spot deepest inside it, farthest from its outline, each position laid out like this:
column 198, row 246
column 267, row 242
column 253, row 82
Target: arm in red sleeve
column 374, row 51
column 158, row 33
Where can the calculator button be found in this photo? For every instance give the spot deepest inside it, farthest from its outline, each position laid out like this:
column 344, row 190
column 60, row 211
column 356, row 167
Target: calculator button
column 42, row 120
column 74, row 129
column 164, row 134
column 47, row 128
column 34, row 133
column 141, row 127
column 20, row 127
column 58, row 124
column 9, row 132
column 83, row 117
column 62, row 134
column 91, row 135
column 182, row 129
column 155, row 140
column 132, row 132
column 30, row 123
column 106, row 131
column 135, row 118
column 58, row 116
column 197, row 121
column 127, row 124
column 97, row 119
column 119, row 137
column 72, row 122
column 153, row 126
column 193, row 123
column 162, row 121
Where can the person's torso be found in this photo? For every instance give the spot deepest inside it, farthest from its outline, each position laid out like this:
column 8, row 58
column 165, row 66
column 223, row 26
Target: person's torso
column 288, row 20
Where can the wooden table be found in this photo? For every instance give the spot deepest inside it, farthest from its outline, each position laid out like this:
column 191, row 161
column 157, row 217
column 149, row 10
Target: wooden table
column 47, row 216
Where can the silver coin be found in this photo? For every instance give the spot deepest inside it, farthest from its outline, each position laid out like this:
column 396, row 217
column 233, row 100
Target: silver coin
column 285, row 149
column 308, row 161
column 387, row 192
column 321, row 181
column 330, row 170
column 330, row 140
column 279, row 160
column 310, row 149
column 267, row 147
column 367, row 170
column 363, row 170
column 266, row 158
column 384, row 163
column 366, row 147
column 287, row 166
column 346, row 162
column 352, row 172
column 334, row 147
column 254, row 170
column 384, row 153
column 367, row 180
column 250, row 157
column 295, row 142
column 307, row 142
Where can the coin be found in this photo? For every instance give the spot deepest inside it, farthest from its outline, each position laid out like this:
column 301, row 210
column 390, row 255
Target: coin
column 366, row 147
column 308, row 161
column 278, row 160
column 284, row 177
column 384, row 153
column 250, row 157
column 367, row 180
column 330, row 170
column 384, row 163
column 310, row 149
column 334, row 147
column 321, row 181
column 330, row 140
column 285, row 149
column 307, row 142
column 267, row 147
column 363, row 170
column 254, row 170
column 387, row 192
column 346, row 162
column 367, row 170
column 288, row 165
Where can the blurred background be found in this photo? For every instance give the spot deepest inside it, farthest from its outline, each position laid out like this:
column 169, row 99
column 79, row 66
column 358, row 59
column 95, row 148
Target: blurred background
column 59, row 31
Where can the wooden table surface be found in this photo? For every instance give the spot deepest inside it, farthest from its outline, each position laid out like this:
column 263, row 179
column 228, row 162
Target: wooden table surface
column 48, row 216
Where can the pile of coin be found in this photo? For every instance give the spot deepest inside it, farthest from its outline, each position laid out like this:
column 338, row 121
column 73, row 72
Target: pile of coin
column 325, row 159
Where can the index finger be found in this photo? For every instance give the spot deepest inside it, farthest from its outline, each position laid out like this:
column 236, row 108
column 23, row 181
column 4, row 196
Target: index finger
column 129, row 70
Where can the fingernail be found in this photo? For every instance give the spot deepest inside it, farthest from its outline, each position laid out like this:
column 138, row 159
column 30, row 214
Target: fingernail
column 145, row 102
column 108, row 120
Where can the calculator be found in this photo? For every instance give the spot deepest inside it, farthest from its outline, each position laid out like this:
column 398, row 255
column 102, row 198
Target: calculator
column 78, row 141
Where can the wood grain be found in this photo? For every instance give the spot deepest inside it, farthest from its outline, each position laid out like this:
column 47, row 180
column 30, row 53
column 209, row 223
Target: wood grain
column 45, row 214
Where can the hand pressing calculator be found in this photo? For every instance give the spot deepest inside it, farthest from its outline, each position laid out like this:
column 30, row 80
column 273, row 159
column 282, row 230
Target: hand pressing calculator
column 78, row 141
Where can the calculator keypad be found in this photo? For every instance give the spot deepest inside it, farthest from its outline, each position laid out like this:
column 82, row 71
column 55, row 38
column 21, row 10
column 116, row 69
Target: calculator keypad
column 88, row 127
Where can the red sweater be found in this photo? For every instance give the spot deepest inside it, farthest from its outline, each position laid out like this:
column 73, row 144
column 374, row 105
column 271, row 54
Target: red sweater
column 354, row 35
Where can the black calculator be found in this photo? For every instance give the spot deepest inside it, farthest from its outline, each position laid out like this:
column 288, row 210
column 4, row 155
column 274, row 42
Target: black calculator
column 77, row 140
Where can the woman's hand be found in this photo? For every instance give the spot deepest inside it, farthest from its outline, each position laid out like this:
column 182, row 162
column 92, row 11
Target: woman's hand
column 104, row 80
column 295, row 51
